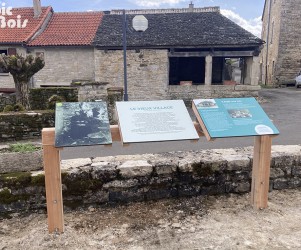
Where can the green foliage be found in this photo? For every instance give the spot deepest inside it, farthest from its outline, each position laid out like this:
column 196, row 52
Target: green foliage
column 16, row 108
column 39, row 97
column 19, row 107
column 23, row 147
column 22, row 68
column 8, row 108
column 55, row 99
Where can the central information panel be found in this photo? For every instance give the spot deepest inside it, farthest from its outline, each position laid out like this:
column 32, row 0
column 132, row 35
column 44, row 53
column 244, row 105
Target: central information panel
column 149, row 121
column 230, row 117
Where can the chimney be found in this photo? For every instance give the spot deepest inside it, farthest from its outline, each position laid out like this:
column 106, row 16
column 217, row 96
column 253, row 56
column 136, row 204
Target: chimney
column 37, row 8
column 191, row 6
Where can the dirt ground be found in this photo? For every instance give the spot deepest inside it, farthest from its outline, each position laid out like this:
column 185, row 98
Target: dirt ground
column 224, row 222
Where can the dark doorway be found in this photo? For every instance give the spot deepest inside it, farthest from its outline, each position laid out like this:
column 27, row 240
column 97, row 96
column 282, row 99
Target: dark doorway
column 186, row 69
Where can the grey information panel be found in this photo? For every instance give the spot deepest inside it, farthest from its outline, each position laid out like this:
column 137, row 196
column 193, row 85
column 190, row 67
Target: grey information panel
column 81, row 123
column 149, row 121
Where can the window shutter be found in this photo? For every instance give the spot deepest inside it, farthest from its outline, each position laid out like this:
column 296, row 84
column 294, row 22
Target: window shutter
column 12, row 51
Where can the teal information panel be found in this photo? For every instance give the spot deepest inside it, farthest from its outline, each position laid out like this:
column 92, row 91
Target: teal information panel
column 230, row 117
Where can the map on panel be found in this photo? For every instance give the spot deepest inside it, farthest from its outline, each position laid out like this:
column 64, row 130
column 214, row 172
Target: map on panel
column 230, row 117
column 81, row 124
column 149, row 121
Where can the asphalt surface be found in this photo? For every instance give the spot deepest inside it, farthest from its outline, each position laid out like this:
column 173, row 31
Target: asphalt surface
column 282, row 105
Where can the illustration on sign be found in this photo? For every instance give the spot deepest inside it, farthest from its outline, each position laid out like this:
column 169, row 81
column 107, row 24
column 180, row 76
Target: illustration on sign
column 148, row 121
column 82, row 123
column 230, row 117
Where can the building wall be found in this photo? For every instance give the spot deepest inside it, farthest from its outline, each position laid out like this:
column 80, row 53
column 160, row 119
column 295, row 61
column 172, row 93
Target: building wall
column 148, row 77
column 284, row 50
column 64, row 64
column 147, row 72
column 290, row 40
column 6, row 80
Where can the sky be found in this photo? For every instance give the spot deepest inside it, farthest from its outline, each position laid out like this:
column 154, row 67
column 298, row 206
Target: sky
column 246, row 13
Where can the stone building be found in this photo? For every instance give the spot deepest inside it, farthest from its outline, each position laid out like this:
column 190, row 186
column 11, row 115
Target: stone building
column 21, row 25
column 64, row 40
column 195, row 47
column 281, row 55
column 66, row 45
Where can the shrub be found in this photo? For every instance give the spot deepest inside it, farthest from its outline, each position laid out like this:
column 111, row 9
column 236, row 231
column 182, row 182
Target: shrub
column 18, row 107
column 54, row 99
column 8, row 108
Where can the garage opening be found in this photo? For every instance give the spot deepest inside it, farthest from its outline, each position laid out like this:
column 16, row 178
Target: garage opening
column 186, row 69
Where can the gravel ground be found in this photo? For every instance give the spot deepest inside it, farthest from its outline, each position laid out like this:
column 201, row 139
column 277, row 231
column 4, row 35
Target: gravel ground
column 224, row 222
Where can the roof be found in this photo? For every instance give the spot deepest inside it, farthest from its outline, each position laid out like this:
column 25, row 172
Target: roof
column 23, row 35
column 69, row 29
column 207, row 29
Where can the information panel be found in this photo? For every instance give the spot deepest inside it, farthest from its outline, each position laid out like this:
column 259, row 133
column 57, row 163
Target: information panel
column 230, row 117
column 148, row 121
column 82, row 123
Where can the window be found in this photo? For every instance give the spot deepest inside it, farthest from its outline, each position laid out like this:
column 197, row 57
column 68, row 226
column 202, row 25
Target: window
column 3, row 52
column 188, row 69
column 9, row 51
column 40, row 54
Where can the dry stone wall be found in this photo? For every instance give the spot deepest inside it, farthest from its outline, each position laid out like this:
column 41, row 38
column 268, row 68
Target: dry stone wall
column 24, row 125
column 151, row 177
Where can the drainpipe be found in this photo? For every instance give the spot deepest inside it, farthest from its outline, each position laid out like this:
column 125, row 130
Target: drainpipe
column 268, row 37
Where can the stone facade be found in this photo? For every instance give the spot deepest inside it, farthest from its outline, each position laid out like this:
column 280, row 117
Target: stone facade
column 281, row 31
column 148, row 77
column 147, row 72
column 64, row 65
column 150, row 177
column 24, row 125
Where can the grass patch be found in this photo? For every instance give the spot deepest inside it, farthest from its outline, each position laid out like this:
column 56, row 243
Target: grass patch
column 23, row 148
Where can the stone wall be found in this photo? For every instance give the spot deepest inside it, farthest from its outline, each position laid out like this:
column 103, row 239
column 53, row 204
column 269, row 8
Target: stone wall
column 148, row 77
column 290, row 39
column 284, row 40
column 6, row 99
column 187, row 93
column 39, row 96
column 151, row 177
column 24, row 125
column 65, row 64
column 147, row 72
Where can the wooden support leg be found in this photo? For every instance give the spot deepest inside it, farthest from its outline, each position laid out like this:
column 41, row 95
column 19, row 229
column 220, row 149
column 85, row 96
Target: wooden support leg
column 53, row 182
column 261, row 171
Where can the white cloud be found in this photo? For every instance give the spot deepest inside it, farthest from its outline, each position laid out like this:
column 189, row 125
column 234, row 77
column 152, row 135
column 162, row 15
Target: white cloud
column 253, row 25
column 155, row 3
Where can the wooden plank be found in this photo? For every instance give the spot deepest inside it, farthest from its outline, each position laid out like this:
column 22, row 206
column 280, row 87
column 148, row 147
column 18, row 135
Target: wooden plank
column 53, row 182
column 261, row 171
column 198, row 129
column 202, row 124
column 115, row 133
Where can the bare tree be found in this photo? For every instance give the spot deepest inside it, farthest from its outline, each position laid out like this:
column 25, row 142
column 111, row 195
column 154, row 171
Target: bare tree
column 22, row 69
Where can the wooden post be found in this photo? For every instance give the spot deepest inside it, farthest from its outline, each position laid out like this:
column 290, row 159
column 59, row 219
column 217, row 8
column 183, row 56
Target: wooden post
column 53, row 182
column 261, row 171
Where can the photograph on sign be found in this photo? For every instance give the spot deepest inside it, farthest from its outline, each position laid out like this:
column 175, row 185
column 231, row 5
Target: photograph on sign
column 230, row 117
column 82, row 124
column 149, row 121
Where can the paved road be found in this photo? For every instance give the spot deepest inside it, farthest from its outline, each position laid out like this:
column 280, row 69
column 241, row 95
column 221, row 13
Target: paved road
column 282, row 105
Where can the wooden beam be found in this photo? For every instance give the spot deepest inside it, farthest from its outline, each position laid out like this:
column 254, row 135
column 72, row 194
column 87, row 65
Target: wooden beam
column 214, row 54
column 53, row 181
column 261, row 171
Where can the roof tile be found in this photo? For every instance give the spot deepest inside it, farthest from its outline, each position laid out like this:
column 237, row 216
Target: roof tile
column 23, row 35
column 205, row 29
column 69, row 29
